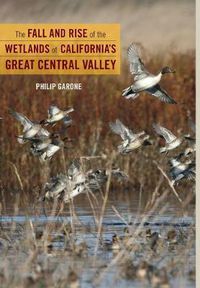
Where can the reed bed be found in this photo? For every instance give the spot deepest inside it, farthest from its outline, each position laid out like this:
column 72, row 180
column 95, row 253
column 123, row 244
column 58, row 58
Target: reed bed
column 71, row 253
column 98, row 103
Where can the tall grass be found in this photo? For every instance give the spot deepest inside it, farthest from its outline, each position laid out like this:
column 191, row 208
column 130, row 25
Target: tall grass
column 98, row 103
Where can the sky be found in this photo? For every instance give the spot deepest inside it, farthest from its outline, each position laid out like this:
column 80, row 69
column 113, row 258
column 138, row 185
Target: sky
column 156, row 24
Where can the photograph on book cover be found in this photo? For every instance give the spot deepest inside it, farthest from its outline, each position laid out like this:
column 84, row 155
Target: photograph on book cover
column 97, row 162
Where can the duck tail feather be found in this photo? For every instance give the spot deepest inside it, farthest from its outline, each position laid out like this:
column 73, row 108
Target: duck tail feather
column 128, row 93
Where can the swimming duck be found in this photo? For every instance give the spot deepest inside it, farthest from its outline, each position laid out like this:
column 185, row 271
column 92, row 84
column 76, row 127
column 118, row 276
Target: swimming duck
column 145, row 81
column 30, row 130
column 181, row 170
column 130, row 141
column 115, row 244
column 172, row 141
column 172, row 237
column 55, row 114
column 148, row 233
column 152, row 238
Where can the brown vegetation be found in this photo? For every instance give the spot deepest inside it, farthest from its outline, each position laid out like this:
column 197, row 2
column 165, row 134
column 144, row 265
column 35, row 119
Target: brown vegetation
column 98, row 103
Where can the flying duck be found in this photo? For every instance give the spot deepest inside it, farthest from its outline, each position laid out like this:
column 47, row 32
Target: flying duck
column 76, row 181
column 55, row 115
column 181, row 170
column 171, row 140
column 30, row 130
column 130, row 141
column 45, row 147
column 145, row 81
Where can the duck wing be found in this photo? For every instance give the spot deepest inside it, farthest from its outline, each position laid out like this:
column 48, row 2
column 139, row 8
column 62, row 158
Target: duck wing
column 72, row 192
column 53, row 110
column 190, row 174
column 136, row 65
column 62, row 178
column 164, row 132
column 22, row 119
column 158, row 92
column 119, row 128
column 49, row 152
column 76, row 174
column 74, row 168
column 43, row 133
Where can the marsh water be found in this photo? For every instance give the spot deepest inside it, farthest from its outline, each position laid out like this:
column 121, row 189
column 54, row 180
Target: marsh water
column 97, row 269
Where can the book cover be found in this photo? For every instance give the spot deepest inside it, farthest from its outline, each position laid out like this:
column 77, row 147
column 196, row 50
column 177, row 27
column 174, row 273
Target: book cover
column 97, row 143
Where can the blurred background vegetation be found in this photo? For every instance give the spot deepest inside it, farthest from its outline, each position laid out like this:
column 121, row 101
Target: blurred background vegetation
column 98, row 103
